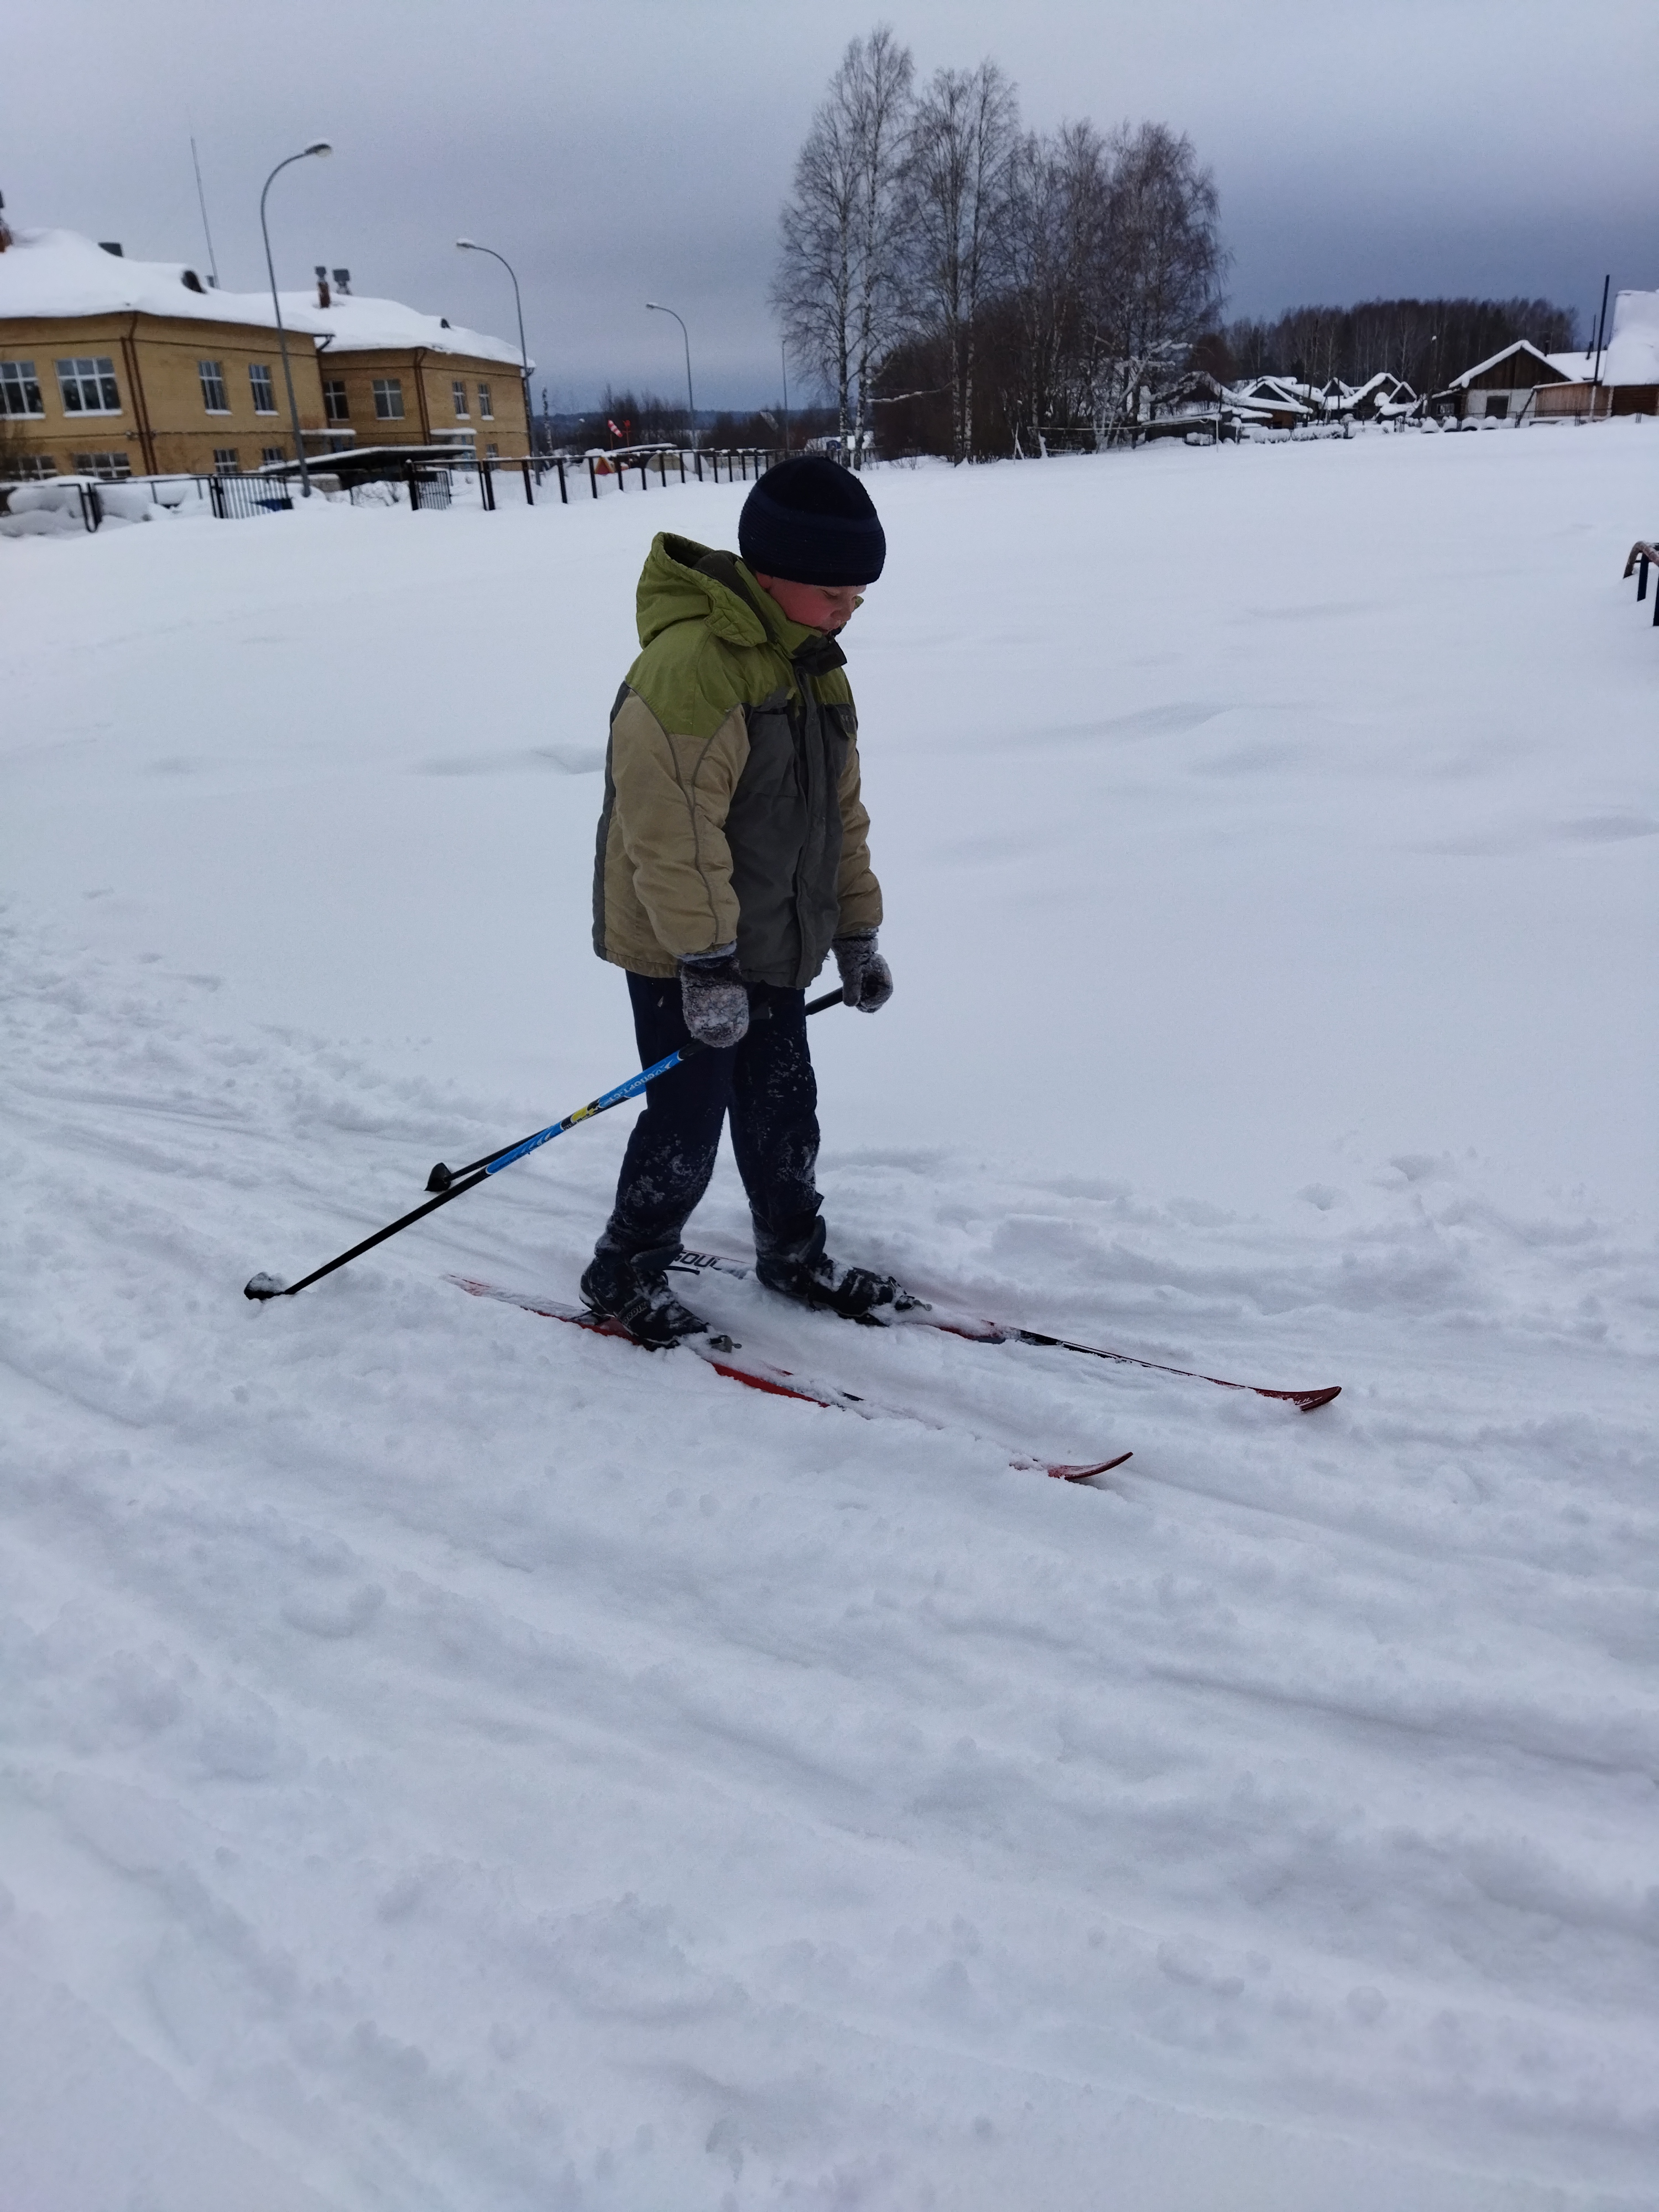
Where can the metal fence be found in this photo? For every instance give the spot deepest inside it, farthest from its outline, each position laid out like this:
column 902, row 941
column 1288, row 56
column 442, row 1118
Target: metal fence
column 427, row 485
column 704, row 465
column 429, row 488
column 233, row 496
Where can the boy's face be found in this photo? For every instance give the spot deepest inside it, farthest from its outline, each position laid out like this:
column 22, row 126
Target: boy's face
column 815, row 606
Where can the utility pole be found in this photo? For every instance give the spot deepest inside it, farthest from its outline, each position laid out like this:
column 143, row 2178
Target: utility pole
column 201, row 200
column 656, row 308
column 1601, row 333
column 322, row 148
column 472, row 246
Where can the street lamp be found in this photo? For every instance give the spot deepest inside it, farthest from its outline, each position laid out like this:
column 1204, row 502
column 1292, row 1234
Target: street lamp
column 690, row 404
column 322, row 146
column 472, row 246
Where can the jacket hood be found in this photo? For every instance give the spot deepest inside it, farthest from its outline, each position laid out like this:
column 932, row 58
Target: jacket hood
column 683, row 581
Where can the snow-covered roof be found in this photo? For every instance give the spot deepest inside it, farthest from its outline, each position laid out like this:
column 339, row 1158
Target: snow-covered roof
column 59, row 272
column 355, row 324
column 1269, row 391
column 46, row 273
column 1521, row 345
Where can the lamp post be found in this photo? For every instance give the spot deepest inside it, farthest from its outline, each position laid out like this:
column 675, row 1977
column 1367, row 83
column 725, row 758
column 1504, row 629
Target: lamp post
column 321, row 147
column 472, row 246
column 690, row 404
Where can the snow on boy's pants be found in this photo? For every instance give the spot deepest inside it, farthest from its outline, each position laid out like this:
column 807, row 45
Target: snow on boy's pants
column 765, row 1084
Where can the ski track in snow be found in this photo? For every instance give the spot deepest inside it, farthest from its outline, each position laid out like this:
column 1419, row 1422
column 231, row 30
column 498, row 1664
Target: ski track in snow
column 450, row 1761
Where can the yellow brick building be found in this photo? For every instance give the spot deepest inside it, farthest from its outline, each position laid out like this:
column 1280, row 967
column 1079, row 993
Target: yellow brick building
column 112, row 367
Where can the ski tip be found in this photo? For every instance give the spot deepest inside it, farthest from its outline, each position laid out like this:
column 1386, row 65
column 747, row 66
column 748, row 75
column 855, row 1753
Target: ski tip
column 261, row 1287
column 1310, row 1401
column 441, row 1177
column 1064, row 1471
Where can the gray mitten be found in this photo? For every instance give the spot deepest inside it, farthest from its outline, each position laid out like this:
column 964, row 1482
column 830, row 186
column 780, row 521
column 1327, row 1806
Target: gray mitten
column 866, row 981
column 714, row 998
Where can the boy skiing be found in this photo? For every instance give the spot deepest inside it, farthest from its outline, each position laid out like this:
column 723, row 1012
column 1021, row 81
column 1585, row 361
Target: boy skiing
column 731, row 857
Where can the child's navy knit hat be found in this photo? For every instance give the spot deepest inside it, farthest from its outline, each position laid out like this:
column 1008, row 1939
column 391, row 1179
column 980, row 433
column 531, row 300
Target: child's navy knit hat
column 811, row 521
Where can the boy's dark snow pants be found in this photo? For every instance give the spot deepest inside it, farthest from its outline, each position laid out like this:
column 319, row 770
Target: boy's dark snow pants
column 765, row 1084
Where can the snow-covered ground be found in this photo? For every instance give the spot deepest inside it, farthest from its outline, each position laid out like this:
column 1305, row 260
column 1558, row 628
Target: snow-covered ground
column 452, row 1764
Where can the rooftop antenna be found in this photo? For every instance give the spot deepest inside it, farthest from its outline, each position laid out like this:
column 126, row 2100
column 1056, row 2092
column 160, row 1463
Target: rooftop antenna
column 202, row 198
column 1601, row 333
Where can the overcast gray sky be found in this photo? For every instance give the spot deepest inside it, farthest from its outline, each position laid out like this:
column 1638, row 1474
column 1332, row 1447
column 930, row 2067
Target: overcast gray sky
column 640, row 149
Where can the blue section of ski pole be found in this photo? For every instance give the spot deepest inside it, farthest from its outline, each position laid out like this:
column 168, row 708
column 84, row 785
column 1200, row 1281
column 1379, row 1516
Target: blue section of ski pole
column 631, row 1089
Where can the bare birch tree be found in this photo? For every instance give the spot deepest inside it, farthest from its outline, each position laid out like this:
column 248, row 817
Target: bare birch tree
column 1159, row 284
column 1058, row 202
column 961, row 140
column 883, row 75
column 839, row 289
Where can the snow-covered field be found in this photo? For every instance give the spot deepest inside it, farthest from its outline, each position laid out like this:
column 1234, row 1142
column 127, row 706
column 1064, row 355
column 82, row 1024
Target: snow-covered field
column 452, row 1764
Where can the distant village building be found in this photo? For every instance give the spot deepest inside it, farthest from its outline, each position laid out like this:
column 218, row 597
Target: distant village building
column 1381, row 398
column 111, row 367
column 1500, row 387
column 393, row 376
column 1624, row 381
column 1275, row 403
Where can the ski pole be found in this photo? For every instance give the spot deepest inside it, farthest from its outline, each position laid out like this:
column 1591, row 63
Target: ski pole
column 263, row 1286
column 441, row 1177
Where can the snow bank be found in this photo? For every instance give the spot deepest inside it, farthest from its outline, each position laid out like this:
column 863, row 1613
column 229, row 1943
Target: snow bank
column 451, row 1761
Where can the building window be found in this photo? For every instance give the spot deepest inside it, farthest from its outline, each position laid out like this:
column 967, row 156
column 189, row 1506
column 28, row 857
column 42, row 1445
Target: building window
column 87, row 385
column 225, row 462
column 108, row 468
column 486, row 405
column 458, row 388
column 264, row 398
column 30, row 467
column 269, row 453
column 388, row 399
column 494, row 452
column 18, row 392
column 213, row 387
column 335, row 406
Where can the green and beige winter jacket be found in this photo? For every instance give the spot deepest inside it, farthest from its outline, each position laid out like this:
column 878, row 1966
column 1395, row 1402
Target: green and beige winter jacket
column 731, row 807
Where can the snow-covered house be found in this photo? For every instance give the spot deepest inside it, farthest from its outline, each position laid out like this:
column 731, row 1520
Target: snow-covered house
column 114, row 368
column 1383, row 398
column 1624, row 379
column 1277, row 402
column 1194, row 398
column 393, row 375
column 1500, row 387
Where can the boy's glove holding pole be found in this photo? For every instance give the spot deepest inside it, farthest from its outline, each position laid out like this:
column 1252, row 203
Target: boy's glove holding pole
column 714, row 998
column 866, row 981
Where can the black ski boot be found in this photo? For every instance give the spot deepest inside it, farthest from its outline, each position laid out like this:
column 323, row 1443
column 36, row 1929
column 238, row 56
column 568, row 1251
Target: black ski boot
column 812, row 1278
column 635, row 1291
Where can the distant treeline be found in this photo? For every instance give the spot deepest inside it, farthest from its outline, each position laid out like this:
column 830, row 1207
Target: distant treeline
column 1428, row 342
column 628, row 418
